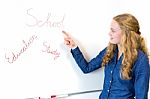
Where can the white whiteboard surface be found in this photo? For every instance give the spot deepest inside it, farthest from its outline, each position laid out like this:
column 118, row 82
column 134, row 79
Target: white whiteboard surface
column 34, row 62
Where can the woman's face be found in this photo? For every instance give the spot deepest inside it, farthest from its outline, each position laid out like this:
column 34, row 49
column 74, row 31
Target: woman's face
column 115, row 33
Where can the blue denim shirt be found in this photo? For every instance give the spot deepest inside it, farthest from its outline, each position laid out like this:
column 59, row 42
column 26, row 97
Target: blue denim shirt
column 114, row 86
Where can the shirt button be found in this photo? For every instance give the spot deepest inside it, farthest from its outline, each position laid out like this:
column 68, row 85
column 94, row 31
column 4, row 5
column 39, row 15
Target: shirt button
column 110, row 81
column 107, row 90
column 111, row 72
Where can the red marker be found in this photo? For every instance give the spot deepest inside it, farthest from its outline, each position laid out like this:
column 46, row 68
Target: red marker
column 53, row 96
column 59, row 96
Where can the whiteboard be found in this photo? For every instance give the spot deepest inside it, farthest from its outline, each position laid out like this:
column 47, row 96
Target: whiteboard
column 34, row 62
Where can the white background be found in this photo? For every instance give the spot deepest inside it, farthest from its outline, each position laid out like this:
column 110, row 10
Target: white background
column 36, row 73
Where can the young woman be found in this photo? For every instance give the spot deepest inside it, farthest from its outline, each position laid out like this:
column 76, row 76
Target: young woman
column 125, row 59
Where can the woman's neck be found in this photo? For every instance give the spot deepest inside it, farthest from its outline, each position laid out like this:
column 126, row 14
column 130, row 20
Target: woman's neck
column 119, row 51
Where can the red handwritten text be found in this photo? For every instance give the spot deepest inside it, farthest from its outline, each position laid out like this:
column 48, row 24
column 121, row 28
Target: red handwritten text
column 49, row 50
column 14, row 56
column 47, row 22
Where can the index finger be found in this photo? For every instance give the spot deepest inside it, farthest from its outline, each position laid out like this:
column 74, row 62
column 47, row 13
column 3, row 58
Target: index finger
column 65, row 33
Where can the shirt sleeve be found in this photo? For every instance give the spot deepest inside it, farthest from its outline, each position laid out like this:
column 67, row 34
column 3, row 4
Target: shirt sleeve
column 85, row 66
column 142, row 75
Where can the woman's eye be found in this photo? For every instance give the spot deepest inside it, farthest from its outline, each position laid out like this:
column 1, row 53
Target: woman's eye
column 113, row 31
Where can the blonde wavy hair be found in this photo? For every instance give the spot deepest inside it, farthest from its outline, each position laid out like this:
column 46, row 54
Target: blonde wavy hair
column 131, row 42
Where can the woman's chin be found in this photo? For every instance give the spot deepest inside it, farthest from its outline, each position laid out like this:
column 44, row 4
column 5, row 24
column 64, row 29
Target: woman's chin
column 112, row 42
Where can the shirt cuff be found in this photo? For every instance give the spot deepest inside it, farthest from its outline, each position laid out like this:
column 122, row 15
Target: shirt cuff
column 75, row 51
